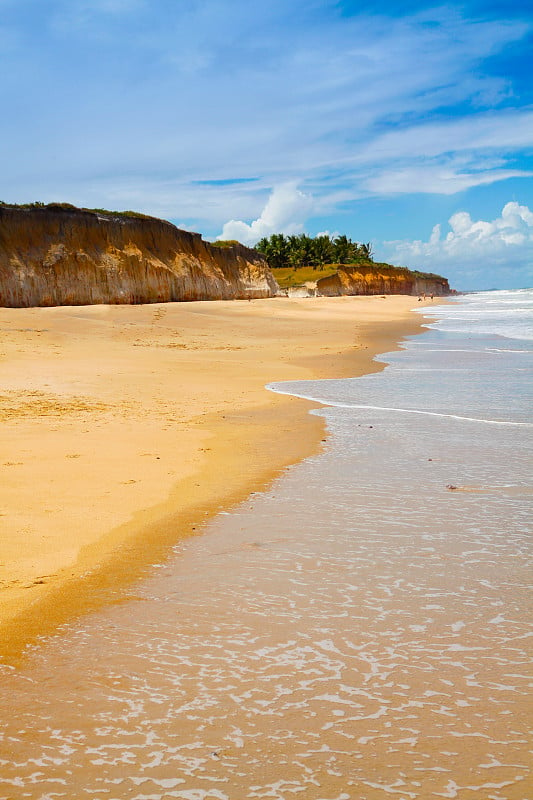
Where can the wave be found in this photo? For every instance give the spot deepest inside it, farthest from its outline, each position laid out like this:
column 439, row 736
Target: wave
column 507, row 313
column 341, row 404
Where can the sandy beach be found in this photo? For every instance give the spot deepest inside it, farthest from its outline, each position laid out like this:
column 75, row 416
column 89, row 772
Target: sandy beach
column 350, row 628
column 126, row 428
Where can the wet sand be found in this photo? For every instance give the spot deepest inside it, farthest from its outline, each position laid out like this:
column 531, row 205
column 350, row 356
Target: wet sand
column 127, row 428
column 355, row 632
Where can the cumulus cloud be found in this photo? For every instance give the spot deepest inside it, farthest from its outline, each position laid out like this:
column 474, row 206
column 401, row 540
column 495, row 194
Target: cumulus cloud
column 476, row 253
column 286, row 210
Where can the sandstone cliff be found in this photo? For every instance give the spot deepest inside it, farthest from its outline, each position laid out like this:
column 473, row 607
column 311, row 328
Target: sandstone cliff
column 381, row 279
column 60, row 255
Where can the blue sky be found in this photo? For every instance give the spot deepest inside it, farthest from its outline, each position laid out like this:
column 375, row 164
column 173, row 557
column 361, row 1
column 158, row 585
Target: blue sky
column 412, row 129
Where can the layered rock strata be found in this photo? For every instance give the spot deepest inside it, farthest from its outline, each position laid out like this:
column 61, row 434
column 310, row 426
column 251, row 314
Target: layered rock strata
column 55, row 255
column 381, row 279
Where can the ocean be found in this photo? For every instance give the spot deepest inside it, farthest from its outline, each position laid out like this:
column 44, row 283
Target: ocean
column 359, row 631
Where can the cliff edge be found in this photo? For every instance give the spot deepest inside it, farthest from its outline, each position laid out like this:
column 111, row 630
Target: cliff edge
column 60, row 255
column 375, row 278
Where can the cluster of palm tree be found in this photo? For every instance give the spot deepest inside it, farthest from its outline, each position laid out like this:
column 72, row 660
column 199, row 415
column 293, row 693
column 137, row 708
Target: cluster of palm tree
column 307, row 251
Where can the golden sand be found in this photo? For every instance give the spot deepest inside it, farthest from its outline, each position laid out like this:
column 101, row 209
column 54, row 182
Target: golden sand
column 127, row 427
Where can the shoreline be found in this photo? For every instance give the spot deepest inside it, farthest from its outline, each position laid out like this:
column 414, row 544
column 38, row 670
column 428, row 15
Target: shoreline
column 93, row 397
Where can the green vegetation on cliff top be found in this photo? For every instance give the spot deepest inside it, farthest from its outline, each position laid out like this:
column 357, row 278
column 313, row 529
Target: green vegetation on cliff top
column 70, row 207
column 288, row 277
column 301, row 259
column 301, row 250
column 226, row 243
column 297, row 276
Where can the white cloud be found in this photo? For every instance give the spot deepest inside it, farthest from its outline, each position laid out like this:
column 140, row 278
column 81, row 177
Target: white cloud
column 194, row 114
column 476, row 253
column 285, row 212
column 483, row 132
column 331, row 234
column 278, row 90
column 436, row 179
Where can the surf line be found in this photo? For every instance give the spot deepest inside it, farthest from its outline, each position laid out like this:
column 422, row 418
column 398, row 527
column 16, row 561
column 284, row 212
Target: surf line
column 335, row 404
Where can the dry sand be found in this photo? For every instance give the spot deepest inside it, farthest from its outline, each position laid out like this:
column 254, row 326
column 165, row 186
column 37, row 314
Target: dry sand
column 125, row 427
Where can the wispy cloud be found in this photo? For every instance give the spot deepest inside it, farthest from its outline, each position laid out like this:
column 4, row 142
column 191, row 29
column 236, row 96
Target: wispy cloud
column 154, row 105
column 505, row 130
column 189, row 89
column 436, row 179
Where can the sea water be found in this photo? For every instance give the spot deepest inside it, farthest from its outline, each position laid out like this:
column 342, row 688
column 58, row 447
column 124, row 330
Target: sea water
column 360, row 631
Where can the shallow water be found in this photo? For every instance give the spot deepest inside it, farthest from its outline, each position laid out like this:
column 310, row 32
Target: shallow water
column 361, row 630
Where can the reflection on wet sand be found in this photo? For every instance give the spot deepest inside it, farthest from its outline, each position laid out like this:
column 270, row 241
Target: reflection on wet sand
column 329, row 639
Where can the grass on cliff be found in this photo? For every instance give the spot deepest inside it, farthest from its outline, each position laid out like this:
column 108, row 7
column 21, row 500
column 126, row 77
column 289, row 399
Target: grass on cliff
column 225, row 243
column 288, row 277
column 296, row 276
column 70, row 207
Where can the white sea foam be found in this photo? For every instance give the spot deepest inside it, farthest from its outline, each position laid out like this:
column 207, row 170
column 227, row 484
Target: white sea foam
column 465, row 377
column 338, row 404
column 359, row 630
column 504, row 313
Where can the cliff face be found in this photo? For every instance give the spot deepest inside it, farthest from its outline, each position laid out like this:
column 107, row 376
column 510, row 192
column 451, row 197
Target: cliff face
column 55, row 256
column 381, row 279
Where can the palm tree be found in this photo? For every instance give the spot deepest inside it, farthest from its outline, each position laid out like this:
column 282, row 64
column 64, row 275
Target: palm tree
column 366, row 250
column 323, row 250
column 342, row 249
column 275, row 249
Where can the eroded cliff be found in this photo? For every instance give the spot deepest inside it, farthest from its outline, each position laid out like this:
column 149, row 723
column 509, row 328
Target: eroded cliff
column 56, row 255
column 381, row 279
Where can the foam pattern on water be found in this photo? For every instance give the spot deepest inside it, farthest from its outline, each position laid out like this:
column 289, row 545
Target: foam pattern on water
column 507, row 313
column 362, row 630
column 476, row 363
column 350, row 634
